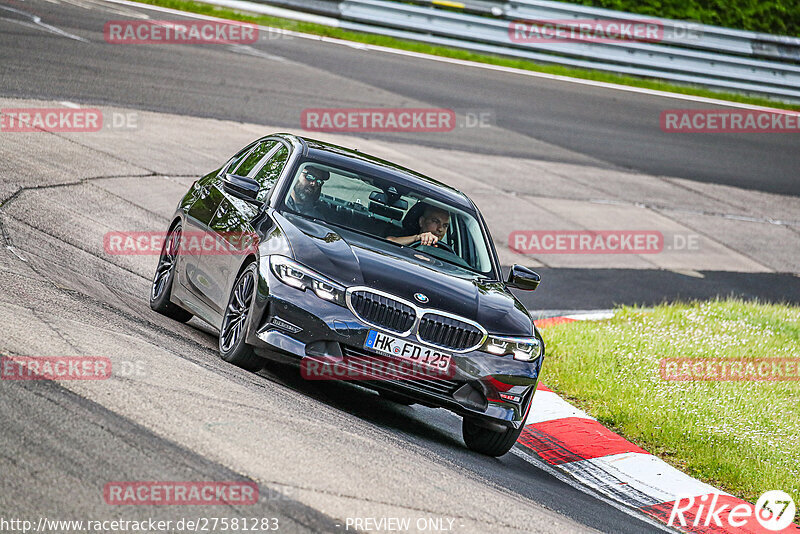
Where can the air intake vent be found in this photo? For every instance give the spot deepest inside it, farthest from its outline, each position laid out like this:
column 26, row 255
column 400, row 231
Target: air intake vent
column 382, row 311
column 448, row 332
column 359, row 360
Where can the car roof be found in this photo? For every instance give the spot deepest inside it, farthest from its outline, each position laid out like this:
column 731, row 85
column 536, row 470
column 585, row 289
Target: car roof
column 367, row 164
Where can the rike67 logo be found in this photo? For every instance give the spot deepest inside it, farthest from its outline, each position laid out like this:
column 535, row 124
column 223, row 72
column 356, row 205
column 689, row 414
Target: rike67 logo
column 773, row 512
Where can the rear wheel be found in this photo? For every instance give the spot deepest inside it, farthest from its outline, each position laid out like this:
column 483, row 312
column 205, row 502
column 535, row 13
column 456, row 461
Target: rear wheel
column 161, row 289
column 232, row 346
column 487, row 441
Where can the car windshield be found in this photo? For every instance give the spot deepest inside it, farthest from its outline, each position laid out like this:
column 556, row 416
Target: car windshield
column 387, row 211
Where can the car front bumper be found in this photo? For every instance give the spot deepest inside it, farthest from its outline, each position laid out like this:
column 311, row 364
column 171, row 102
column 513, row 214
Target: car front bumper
column 295, row 325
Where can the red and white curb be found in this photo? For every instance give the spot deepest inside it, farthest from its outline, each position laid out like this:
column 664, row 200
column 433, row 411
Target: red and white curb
column 570, row 441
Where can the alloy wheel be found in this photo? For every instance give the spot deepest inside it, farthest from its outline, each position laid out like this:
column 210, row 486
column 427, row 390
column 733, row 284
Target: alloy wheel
column 166, row 263
column 236, row 313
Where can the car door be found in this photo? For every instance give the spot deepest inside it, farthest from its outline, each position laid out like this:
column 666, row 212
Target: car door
column 231, row 224
column 195, row 225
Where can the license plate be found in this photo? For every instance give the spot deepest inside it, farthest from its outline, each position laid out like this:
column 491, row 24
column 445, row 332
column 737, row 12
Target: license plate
column 413, row 352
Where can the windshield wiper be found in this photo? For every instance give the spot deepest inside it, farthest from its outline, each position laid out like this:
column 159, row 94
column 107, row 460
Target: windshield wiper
column 303, row 215
column 361, row 232
column 465, row 267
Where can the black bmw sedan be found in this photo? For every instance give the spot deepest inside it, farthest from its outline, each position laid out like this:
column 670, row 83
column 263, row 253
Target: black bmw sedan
column 353, row 267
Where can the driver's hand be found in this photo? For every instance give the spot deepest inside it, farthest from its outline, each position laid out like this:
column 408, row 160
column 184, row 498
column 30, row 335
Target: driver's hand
column 428, row 239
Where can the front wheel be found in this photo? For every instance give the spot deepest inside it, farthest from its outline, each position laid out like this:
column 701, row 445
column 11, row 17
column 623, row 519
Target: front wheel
column 232, row 346
column 161, row 288
column 488, row 441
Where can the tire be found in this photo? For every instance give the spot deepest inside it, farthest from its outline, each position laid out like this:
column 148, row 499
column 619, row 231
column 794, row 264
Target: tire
column 161, row 288
column 232, row 334
column 487, row 441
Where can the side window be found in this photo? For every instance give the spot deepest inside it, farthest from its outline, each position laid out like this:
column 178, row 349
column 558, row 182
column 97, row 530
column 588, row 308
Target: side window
column 466, row 243
column 453, row 235
column 252, row 159
column 269, row 172
column 237, row 159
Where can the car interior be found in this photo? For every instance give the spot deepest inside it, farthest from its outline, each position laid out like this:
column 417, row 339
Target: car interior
column 367, row 205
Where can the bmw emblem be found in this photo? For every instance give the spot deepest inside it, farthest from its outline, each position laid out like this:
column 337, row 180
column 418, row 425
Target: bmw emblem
column 421, row 297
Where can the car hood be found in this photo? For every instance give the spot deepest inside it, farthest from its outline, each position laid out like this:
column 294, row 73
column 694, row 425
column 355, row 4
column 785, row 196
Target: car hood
column 356, row 260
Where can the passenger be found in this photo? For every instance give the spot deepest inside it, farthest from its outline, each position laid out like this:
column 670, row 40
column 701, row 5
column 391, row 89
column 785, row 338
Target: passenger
column 304, row 196
column 431, row 225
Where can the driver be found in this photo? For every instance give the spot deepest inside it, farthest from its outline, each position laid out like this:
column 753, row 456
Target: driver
column 433, row 225
column 303, row 197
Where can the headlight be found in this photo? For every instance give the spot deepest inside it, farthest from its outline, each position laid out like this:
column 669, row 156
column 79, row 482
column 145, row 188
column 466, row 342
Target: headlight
column 298, row 275
column 525, row 349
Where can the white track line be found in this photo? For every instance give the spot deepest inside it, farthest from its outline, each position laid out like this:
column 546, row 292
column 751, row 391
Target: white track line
column 36, row 22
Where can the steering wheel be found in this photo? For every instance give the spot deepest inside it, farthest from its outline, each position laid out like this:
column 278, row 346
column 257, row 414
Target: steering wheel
column 439, row 244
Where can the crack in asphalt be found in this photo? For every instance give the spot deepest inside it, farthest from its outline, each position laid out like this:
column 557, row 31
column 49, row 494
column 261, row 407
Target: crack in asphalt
column 57, row 238
column 58, row 332
column 18, row 192
column 128, row 201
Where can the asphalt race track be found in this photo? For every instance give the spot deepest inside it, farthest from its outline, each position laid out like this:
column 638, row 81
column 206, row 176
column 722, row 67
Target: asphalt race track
column 557, row 155
column 272, row 81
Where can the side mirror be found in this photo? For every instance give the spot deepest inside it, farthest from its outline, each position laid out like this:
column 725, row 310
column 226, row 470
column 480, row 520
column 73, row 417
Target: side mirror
column 523, row 278
column 241, row 187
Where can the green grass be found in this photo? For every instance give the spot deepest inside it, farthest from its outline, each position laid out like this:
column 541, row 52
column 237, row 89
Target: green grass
column 780, row 17
column 743, row 437
column 317, row 29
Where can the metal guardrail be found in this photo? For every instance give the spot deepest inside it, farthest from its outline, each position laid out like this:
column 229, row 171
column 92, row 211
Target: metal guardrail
column 680, row 33
column 680, row 64
column 686, row 52
column 329, row 8
column 702, row 36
